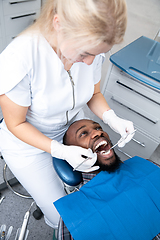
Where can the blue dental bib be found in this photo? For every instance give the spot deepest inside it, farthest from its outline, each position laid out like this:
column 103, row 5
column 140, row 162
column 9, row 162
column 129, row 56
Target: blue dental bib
column 124, row 205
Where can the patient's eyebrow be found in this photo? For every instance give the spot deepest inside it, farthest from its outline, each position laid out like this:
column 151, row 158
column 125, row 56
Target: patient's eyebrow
column 80, row 128
column 95, row 123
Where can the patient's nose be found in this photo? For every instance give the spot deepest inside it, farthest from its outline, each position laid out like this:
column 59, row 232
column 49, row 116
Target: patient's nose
column 95, row 133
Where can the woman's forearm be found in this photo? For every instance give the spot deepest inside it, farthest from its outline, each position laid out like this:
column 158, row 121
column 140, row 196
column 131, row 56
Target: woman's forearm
column 15, row 119
column 32, row 136
column 98, row 104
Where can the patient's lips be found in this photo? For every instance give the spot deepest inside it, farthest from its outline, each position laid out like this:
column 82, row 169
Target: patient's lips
column 102, row 148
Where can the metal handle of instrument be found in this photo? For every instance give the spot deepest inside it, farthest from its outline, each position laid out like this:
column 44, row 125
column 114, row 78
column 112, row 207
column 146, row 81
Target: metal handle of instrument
column 126, row 154
column 140, row 114
column 142, row 144
column 132, row 89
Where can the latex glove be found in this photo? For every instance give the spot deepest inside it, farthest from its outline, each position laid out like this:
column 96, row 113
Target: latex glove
column 119, row 125
column 73, row 155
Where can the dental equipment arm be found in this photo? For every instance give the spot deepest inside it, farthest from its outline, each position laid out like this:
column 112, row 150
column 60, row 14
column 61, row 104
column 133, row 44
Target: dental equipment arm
column 75, row 156
column 22, row 235
column 24, row 226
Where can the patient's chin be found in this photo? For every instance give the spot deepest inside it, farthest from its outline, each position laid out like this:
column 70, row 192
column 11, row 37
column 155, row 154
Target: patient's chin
column 110, row 165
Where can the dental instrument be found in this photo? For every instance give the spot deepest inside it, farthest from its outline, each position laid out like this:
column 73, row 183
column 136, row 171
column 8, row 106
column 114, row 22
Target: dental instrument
column 22, row 232
column 1, row 199
column 86, row 158
column 3, row 232
column 9, row 233
column 121, row 140
column 4, row 235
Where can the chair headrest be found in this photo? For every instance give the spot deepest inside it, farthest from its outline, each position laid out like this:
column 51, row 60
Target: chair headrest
column 66, row 173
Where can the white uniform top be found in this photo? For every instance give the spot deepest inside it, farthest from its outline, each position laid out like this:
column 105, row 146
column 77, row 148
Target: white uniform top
column 31, row 74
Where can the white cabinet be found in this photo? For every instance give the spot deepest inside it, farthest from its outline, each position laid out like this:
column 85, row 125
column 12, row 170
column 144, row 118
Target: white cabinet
column 138, row 102
column 16, row 15
column 1, row 24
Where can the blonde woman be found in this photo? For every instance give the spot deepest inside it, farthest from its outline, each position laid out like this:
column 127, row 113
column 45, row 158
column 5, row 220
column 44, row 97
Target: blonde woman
column 47, row 74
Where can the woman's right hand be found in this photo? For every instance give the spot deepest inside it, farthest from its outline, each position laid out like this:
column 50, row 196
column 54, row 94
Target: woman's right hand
column 74, row 156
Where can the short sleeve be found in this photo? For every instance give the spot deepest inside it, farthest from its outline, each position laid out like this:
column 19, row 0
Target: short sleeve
column 13, row 64
column 21, row 93
column 98, row 67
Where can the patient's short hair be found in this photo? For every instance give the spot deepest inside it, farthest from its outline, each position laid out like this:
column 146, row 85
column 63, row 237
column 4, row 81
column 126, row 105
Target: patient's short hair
column 65, row 138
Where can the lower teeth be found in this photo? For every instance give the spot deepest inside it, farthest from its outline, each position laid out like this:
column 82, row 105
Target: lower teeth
column 105, row 152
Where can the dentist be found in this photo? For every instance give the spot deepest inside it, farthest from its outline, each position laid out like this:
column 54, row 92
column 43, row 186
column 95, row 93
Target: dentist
column 47, row 74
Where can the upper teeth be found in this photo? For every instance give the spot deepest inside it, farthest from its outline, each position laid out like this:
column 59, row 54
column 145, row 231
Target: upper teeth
column 100, row 144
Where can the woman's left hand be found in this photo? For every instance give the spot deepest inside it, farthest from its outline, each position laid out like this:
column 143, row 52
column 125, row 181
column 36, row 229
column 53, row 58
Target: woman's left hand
column 119, row 125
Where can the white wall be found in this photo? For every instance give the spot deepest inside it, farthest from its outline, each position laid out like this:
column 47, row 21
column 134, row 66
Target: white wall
column 143, row 19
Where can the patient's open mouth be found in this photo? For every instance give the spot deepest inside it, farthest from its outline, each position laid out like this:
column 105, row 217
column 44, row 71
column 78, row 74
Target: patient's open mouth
column 102, row 148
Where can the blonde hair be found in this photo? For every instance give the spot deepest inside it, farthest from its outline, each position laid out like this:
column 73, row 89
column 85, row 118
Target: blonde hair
column 90, row 21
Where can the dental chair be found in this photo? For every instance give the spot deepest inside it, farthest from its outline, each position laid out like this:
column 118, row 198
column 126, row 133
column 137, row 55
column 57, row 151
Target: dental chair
column 72, row 180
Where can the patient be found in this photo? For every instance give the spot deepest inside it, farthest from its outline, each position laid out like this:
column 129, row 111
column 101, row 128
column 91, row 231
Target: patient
column 89, row 134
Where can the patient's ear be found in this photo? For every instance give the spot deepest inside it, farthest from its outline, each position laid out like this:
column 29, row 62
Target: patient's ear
column 56, row 22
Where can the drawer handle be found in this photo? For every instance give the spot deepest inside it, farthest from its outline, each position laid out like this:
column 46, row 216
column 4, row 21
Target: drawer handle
column 141, row 94
column 124, row 153
column 142, row 144
column 137, row 80
column 25, row 15
column 151, row 120
column 22, row 1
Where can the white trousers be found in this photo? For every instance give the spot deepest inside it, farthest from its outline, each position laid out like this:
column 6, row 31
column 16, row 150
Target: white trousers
column 39, row 178
column 34, row 169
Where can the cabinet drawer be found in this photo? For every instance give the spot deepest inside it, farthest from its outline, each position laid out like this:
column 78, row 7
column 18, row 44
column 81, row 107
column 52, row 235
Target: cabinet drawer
column 135, row 93
column 18, row 22
column 140, row 145
column 123, row 80
column 19, row 6
column 148, row 123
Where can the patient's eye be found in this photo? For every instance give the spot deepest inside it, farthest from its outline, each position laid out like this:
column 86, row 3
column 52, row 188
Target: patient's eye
column 82, row 134
column 98, row 128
